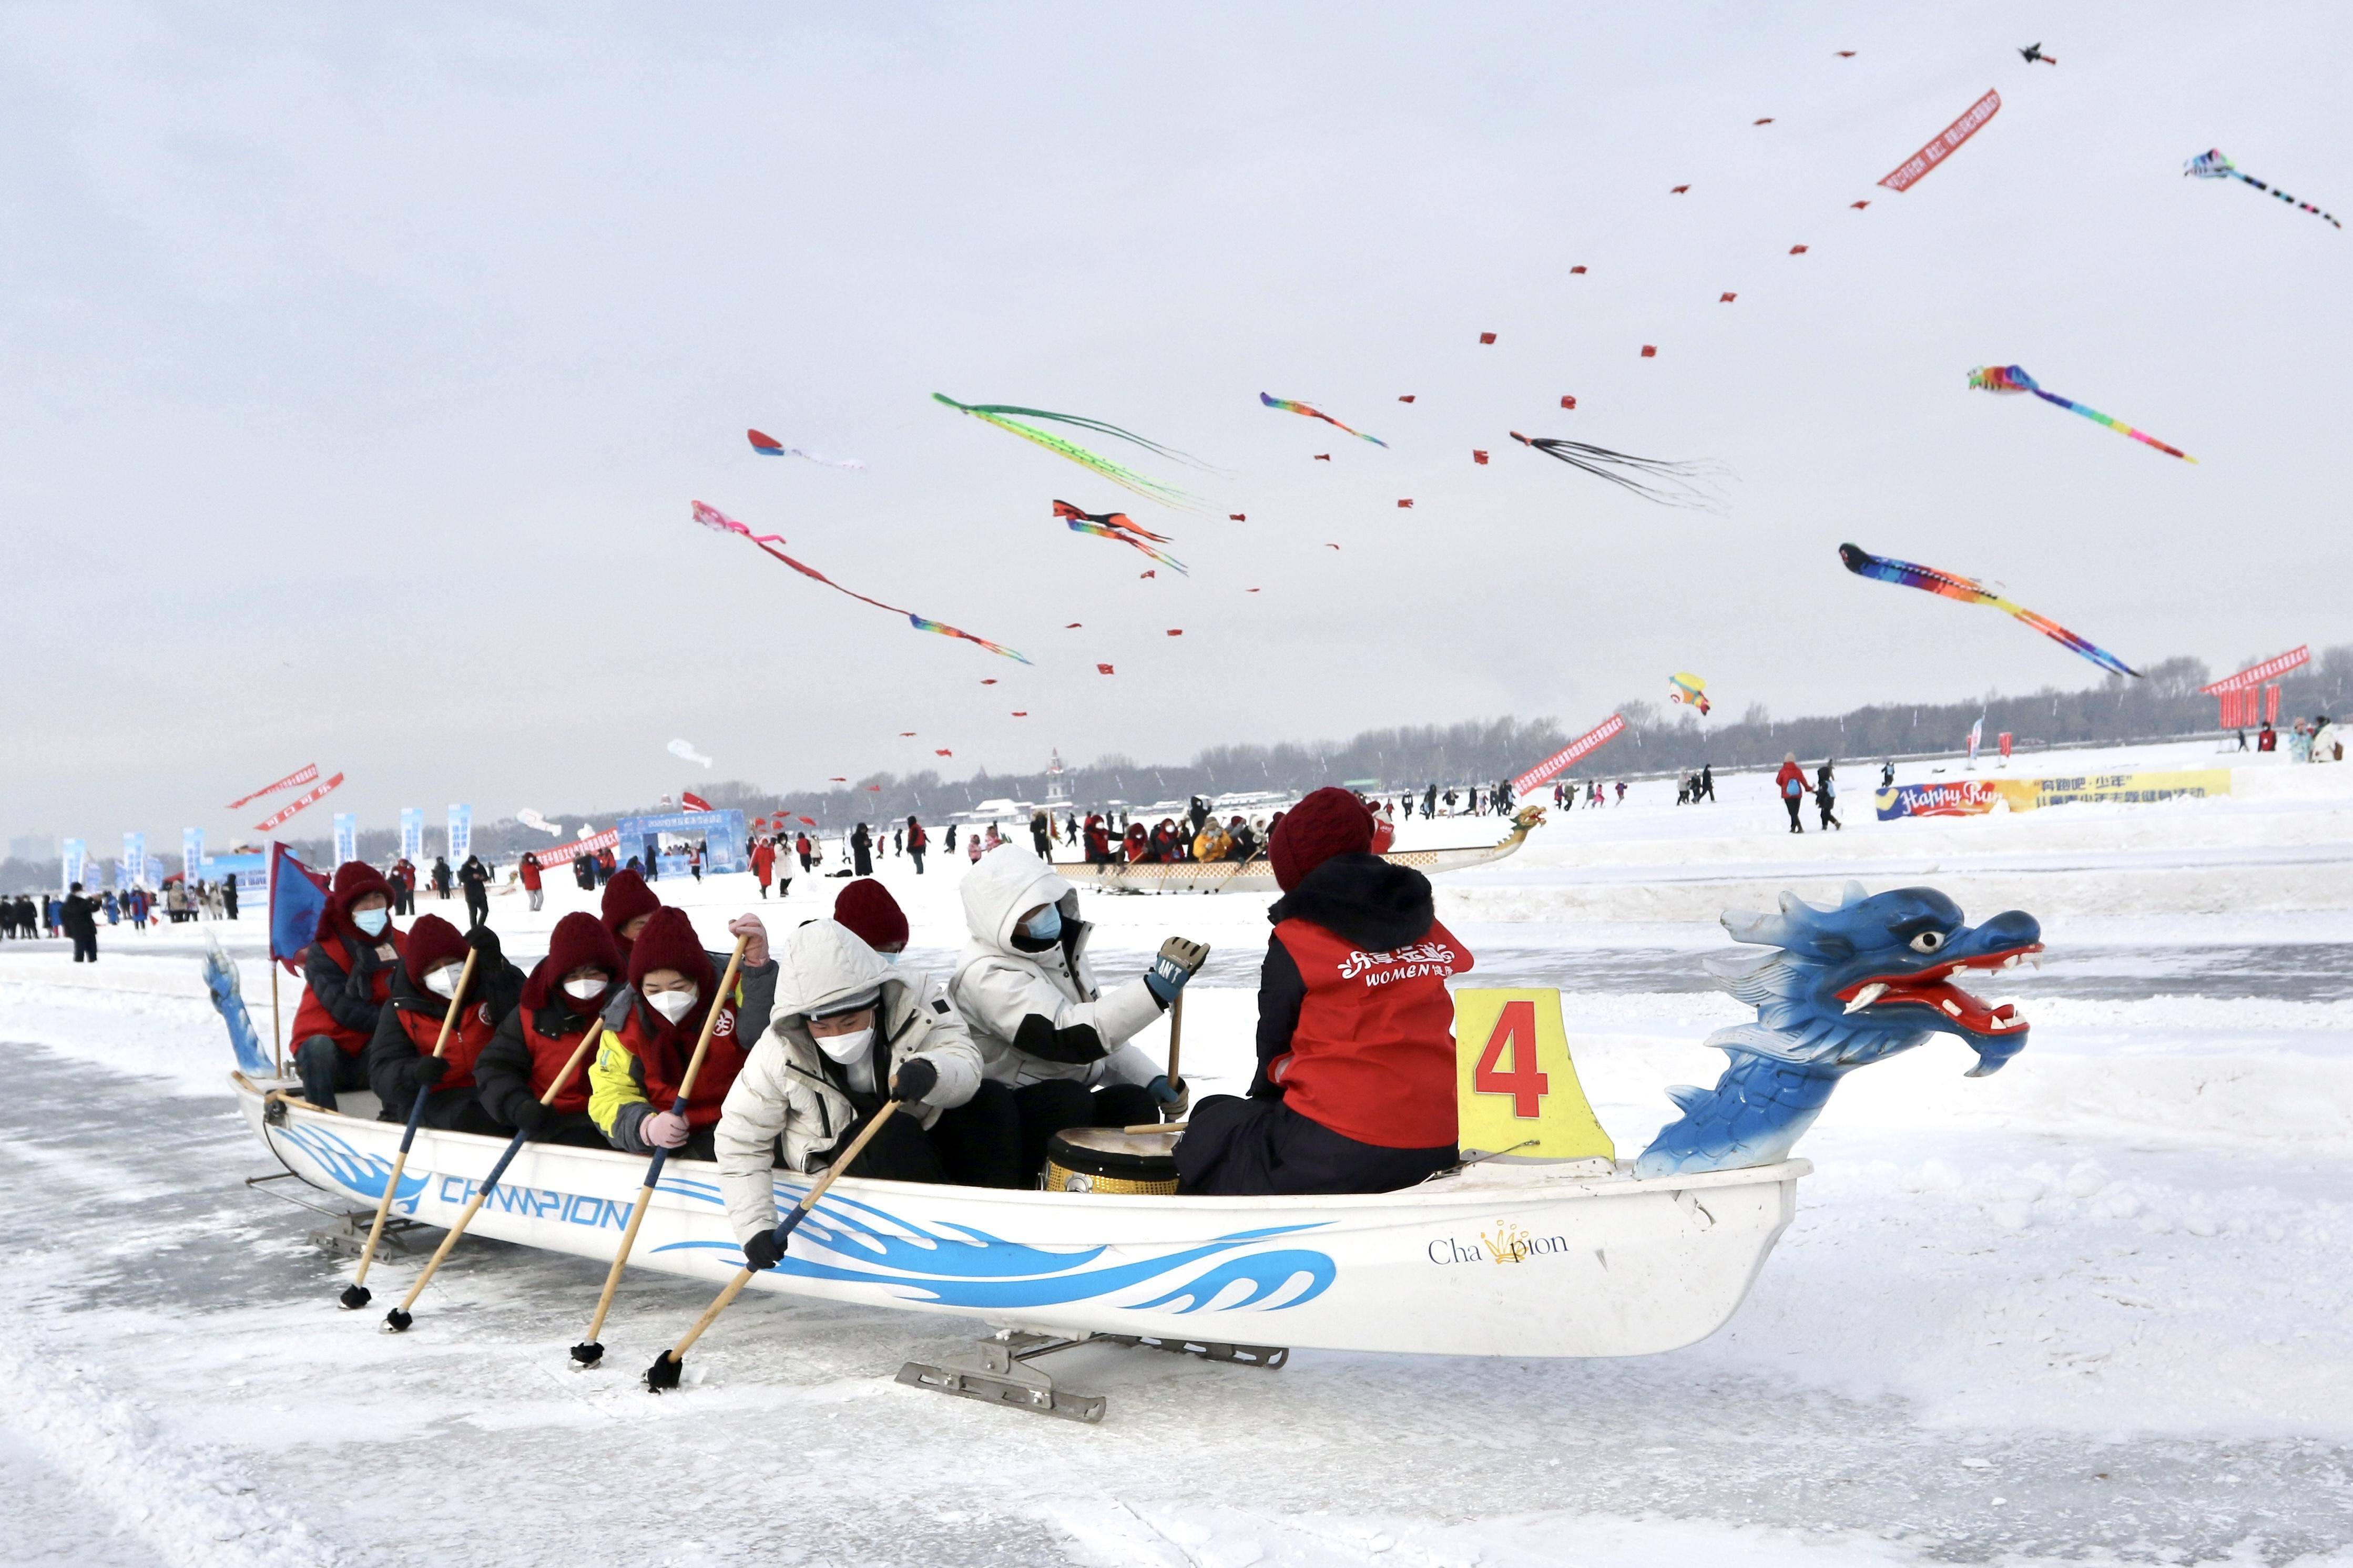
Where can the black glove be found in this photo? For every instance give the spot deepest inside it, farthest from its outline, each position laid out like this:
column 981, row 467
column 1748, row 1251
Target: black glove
column 484, row 941
column 430, row 1071
column 531, row 1116
column 763, row 1252
column 916, row 1078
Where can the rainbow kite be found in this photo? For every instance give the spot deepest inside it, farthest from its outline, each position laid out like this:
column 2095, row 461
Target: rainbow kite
column 1001, row 415
column 2211, row 164
column 2013, row 378
column 718, row 521
column 1120, row 526
column 1970, row 591
column 1290, row 406
column 769, row 447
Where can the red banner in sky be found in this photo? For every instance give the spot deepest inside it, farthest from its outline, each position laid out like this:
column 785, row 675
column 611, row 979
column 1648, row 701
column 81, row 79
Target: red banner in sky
column 307, row 798
column 1935, row 152
column 301, row 776
column 1592, row 740
column 2270, row 669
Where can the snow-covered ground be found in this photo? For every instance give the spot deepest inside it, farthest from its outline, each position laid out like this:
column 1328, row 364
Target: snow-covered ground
column 2097, row 1306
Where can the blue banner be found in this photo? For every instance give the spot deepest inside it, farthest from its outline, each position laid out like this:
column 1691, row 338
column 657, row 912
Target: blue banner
column 666, row 839
column 192, row 857
column 134, row 862
column 347, row 838
column 461, row 834
column 74, row 856
column 411, row 834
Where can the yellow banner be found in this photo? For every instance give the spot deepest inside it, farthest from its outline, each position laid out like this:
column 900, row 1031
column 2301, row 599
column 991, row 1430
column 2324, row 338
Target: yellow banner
column 2029, row 795
column 1515, row 1090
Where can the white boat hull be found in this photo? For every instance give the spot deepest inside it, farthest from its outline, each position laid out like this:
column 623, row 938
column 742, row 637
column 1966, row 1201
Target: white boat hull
column 1497, row 1261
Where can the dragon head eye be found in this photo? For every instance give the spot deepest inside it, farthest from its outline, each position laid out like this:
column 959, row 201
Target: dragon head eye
column 1927, row 942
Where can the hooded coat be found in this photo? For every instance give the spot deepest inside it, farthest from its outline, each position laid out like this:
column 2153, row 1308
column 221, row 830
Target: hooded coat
column 1039, row 1016
column 793, row 1104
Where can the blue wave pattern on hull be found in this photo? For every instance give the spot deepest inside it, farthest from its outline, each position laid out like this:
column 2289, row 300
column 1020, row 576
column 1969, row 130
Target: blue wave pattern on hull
column 954, row 1265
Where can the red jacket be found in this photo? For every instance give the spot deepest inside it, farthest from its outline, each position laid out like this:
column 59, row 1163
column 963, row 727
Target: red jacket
column 1790, row 773
column 764, row 861
column 529, row 870
column 328, row 1006
column 1356, row 1030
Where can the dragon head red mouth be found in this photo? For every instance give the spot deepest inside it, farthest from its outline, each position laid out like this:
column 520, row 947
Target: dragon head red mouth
column 1932, row 988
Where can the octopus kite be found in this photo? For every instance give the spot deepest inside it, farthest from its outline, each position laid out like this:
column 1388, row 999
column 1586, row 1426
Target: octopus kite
column 1117, row 526
column 1652, row 478
column 2011, row 378
column 1970, row 591
column 1291, row 406
column 1001, row 415
column 2211, row 164
column 718, row 521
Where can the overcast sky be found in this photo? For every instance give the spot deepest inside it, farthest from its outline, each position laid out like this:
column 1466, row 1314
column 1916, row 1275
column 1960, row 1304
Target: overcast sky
column 361, row 363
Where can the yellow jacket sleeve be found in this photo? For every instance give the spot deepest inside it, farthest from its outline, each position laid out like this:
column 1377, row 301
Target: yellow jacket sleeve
column 617, row 1093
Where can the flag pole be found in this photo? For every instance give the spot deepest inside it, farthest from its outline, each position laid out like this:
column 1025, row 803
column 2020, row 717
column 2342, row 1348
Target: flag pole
column 277, row 1040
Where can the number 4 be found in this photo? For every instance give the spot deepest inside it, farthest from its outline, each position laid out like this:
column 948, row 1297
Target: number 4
column 1515, row 1029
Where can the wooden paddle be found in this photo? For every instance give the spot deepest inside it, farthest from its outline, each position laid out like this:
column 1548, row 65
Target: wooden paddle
column 590, row 1351
column 356, row 1294
column 398, row 1320
column 665, row 1370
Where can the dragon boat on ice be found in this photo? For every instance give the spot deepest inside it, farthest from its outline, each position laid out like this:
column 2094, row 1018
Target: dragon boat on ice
column 1593, row 1258
column 1256, row 876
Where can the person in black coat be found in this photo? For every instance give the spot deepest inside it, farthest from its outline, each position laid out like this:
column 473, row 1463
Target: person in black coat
column 442, row 875
column 861, row 849
column 477, row 880
column 79, row 918
column 228, row 895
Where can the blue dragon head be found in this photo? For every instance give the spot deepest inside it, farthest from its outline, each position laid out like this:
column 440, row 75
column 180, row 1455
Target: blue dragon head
column 1840, row 988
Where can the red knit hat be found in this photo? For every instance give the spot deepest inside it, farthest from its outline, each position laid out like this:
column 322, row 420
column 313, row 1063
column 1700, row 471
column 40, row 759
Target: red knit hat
column 626, row 897
column 579, row 939
column 1327, row 823
column 867, row 908
column 432, row 941
column 355, row 880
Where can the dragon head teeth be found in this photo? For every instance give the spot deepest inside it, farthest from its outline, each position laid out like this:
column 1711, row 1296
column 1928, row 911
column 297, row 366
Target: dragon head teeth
column 1867, row 995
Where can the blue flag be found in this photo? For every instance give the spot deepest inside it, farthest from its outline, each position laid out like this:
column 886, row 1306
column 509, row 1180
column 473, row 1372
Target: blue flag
column 297, row 897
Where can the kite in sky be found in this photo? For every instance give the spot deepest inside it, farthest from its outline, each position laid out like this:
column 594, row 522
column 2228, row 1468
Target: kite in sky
column 1970, row 591
column 1001, row 415
column 1652, row 478
column 1120, row 526
column 1291, row 405
column 2211, row 164
column 718, row 521
column 2033, row 52
column 769, row 447
column 2011, row 378
column 685, row 753
column 1688, row 688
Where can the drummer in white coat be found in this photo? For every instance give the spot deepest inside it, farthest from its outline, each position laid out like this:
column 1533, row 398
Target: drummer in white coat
column 848, row 1032
column 1044, row 1029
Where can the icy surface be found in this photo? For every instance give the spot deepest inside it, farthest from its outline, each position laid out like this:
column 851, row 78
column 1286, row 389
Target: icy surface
column 2097, row 1307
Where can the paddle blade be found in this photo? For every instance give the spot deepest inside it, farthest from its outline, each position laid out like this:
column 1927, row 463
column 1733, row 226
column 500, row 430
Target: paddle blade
column 588, row 1353
column 355, row 1297
column 397, row 1320
column 663, row 1374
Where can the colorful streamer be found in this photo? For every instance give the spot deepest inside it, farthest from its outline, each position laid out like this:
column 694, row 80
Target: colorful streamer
column 1117, row 526
column 769, row 447
column 2011, row 378
column 1290, row 406
column 1652, row 478
column 712, row 518
column 1970, row 591
column 2211, row 164
column 1001, row 415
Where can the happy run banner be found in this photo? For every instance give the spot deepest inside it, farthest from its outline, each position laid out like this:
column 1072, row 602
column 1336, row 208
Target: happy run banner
column 1592, row 740
column 557, row 854
column 1974, row 797
column 301, row 776
column 2270, row 669
column 1909, row 172
column 308, row 797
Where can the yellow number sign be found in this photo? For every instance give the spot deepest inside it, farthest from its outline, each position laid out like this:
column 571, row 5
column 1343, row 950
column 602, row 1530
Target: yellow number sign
column 1514, row 1087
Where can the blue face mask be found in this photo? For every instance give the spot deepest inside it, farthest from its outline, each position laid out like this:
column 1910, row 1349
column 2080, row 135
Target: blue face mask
column 1044, row 927
column 372, row 921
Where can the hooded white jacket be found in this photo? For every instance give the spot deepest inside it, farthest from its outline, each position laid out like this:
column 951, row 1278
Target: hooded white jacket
column 1037, row 1015
column 788, row 1101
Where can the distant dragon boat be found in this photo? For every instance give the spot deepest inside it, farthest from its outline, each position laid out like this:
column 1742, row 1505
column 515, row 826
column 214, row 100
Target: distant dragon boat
column 1255, row 876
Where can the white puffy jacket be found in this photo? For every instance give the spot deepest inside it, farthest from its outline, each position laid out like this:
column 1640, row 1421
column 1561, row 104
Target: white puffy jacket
column 1037, row 1015
column 790, row 1102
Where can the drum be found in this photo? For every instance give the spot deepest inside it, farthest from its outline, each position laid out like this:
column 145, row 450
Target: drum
column 1106, row 1160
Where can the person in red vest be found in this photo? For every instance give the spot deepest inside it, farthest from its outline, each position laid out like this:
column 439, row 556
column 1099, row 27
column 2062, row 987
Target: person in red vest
column 639, row 1068
column 400, row 1059
column 346, row 974
column 917, row 842
column 627, row 904
column 1355, row 1088
column 2267, row 738
column 404, row 886
column 763, row 863
column 576, row 987
column 1098, row 841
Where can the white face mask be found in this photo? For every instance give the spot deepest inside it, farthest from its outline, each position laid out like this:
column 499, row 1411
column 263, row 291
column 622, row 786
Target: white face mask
column 443, row 982
column 674, row 1005
column 585, row 989
column 846, row 1049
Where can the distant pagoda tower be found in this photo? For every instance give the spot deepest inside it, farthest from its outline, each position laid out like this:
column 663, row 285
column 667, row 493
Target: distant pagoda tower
column 1057, row 789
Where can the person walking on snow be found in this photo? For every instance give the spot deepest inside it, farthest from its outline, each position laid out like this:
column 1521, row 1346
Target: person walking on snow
column 763, row 862
column 528, row 870
column 477, row 880
column 1791, row 782
column 79, row 918
column 862, row 847
column 917, row 842
column 1826, row 797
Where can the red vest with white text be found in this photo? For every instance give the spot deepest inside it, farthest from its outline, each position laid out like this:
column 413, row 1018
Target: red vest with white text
column 1373, row 1055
